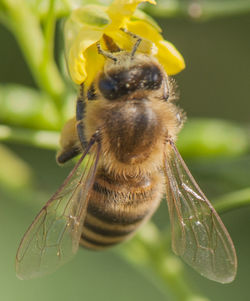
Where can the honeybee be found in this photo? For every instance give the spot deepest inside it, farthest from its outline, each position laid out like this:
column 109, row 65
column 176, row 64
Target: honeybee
column 126, row 132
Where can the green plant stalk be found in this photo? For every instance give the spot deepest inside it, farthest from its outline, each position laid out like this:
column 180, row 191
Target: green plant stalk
column 49, row 31
column 42, row 139
column 149, row 253
column 169, row 270
column 5, row 20
column 234, row 200
column 27, row 30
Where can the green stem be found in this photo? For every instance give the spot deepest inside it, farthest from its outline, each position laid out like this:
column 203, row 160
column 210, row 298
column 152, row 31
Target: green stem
column 42, row 139
column 27, row 30
column 233, row 200
column 151, row 255
column 170, row 271
column 49, row 30
column 5, row 20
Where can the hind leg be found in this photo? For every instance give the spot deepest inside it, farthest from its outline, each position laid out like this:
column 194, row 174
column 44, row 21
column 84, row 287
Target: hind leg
column 70, row 146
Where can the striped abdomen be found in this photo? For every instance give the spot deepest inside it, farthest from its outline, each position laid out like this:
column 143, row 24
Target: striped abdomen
column 117, row 207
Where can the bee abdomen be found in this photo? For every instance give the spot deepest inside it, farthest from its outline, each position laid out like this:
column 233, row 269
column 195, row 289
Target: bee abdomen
column 116, row 209
column 99, row 235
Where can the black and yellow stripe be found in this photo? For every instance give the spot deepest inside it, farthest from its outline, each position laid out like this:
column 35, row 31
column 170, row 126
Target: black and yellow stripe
column 117, row 207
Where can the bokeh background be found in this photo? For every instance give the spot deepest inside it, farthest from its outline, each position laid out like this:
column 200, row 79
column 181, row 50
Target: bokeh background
column 215, row 84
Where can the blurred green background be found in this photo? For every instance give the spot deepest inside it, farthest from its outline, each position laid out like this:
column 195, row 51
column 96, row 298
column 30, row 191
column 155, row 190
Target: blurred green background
column 215, row 84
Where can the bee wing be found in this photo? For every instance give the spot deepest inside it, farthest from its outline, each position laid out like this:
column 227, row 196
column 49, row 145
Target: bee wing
column 53, row 237
column 198, row 234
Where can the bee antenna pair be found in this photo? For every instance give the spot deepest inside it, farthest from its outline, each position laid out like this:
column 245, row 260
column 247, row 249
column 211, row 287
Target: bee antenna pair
column 134, row 49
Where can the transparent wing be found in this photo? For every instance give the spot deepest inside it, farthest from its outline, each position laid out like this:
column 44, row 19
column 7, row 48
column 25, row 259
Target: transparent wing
column 198, row 234
column 53, row 237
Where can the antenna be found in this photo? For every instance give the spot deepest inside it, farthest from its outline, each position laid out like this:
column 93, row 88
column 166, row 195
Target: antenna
column 137, row 43
column 105, row 53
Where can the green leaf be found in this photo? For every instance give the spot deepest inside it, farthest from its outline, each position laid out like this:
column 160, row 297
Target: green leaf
column 233, row 200
column 26, row 107
column 14, row 172
column 93, row 15
column 212, row 138
column 42, row 139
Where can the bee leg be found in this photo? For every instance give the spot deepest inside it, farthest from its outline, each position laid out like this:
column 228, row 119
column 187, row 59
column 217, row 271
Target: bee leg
column 137, row 43
column 68, row 154
column 73, row 140
column 69, row 142
column 80, row 113
column 105, row 53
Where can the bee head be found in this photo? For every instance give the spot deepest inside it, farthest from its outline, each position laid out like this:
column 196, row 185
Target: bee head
column 122, row 76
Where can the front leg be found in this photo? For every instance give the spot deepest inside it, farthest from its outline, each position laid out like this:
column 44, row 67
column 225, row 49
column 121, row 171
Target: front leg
column 80, row 113
column 72, row 136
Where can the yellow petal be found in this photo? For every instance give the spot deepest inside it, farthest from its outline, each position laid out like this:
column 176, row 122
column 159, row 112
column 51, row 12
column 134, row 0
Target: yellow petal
column 169, row 57
column 120, row 10
column 90, row 16
column 141, row 15
column 83, row 28
column 76, row 57
column 144, row 30
column 94, row 64
column 76, row 68
column 121, row 39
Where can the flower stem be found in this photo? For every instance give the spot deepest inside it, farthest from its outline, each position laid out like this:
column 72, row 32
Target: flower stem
column 28, row 32
column 234, row 200
column 149, row 252
column 42, row 139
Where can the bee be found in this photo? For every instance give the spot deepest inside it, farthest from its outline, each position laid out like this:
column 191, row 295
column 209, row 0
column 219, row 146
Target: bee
column 126, row 133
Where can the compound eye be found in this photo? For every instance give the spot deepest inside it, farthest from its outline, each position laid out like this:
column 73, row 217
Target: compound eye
column 151, row 78
column 108, row 88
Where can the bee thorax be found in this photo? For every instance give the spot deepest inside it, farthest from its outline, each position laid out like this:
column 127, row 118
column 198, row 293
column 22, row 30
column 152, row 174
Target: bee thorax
column 132, row 130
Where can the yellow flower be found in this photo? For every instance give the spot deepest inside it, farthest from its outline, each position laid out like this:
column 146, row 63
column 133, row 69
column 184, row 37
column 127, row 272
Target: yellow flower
column 87, row 25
